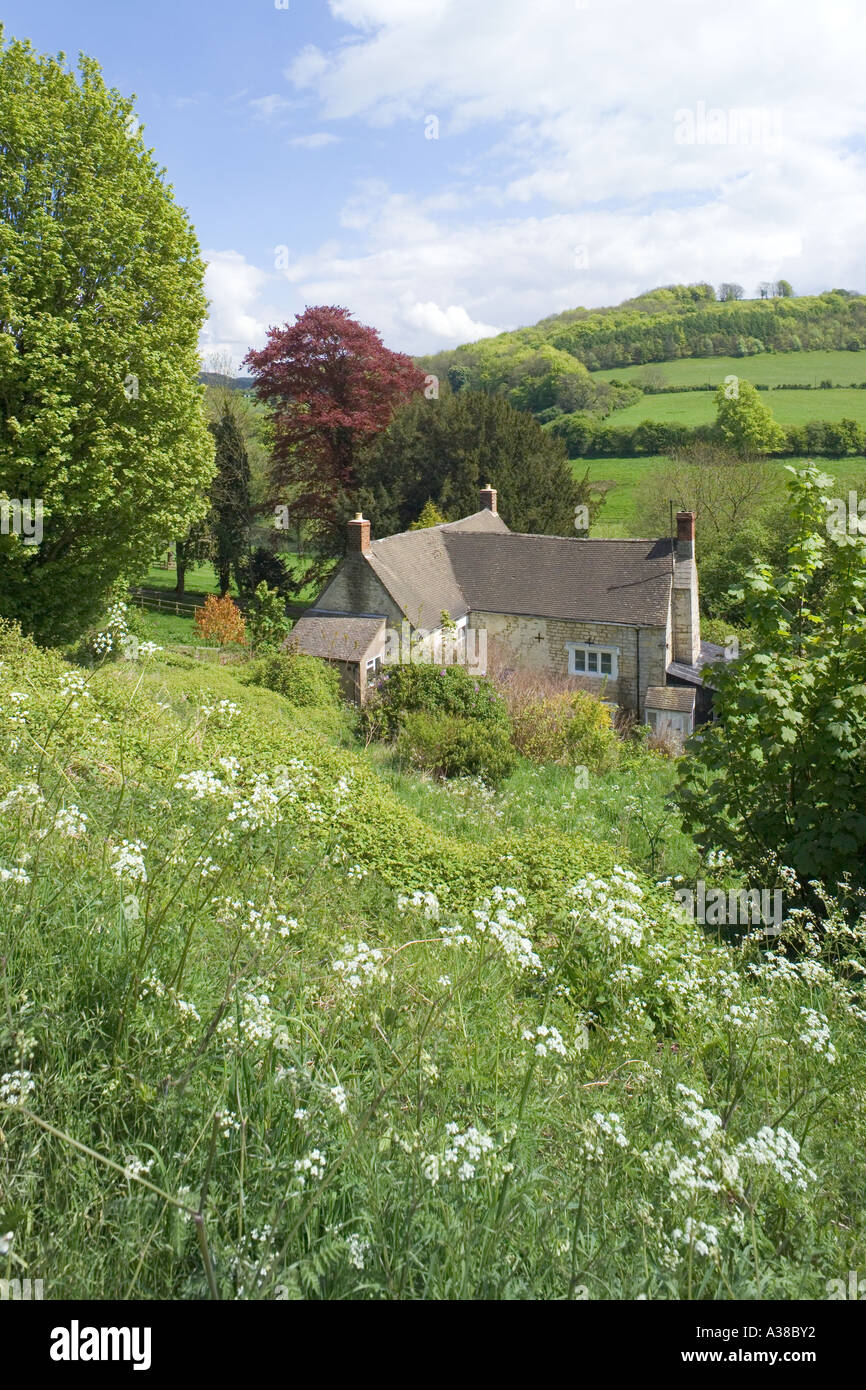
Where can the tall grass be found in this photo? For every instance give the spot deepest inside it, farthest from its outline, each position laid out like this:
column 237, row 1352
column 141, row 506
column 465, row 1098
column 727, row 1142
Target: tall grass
column 238, row 1061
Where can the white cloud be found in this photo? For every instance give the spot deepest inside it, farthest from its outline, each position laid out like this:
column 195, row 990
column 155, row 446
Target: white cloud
column 452, row 324
column 236, row 320
column 271, row 107
column 560, row 178
column 316, row 141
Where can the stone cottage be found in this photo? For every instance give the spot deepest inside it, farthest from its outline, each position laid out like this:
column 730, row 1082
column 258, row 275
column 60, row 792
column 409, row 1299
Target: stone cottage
column 618, row 618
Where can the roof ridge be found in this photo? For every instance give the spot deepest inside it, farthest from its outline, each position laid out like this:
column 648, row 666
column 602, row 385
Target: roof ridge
column 598, row 540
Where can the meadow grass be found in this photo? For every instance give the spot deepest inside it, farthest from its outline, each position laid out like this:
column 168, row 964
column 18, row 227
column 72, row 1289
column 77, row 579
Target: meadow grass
column 766, row 369
column 276, row 1024
column 788, row 407
column 620, row 479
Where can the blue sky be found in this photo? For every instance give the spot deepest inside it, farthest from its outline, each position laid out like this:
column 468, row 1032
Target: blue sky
column 584, row 150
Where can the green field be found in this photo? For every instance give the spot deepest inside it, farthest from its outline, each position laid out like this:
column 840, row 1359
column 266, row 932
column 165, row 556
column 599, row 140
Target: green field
column 788, row 407
column 619, row 478
column 770, row 369
column 200, row 579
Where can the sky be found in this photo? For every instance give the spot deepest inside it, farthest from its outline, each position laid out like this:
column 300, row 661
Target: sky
column 450, row 169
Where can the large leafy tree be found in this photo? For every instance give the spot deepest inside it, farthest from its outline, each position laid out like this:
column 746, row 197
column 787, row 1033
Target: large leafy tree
column 331, row 385
column 444, row 450
column 780, row 779
column 744, row 423
column 101, row 303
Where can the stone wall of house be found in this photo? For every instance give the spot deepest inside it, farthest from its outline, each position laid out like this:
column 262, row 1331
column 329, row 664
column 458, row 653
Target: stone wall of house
column 355, row 588
column 541, row 645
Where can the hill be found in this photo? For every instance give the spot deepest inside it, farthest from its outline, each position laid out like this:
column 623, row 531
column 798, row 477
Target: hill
column 593, row 362
column 295, row 1025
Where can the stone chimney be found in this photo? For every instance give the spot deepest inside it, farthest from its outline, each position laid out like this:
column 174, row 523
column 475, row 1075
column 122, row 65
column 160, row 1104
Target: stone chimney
column 685, row 614
column 358, row 536
column 686, row 535
column 487, row 500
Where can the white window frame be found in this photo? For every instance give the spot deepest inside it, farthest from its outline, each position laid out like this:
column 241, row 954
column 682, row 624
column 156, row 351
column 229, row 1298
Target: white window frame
column 596, row 649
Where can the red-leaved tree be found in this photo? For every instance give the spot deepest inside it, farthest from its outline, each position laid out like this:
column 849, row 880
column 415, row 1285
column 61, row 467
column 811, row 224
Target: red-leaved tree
column 330, row 385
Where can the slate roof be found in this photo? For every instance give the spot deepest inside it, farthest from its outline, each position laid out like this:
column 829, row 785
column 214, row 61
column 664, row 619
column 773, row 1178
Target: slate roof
column 582, row 580
column 339, row 636
column 478, row 564
column 677, row 698
column 710, row 653
column 417, row 569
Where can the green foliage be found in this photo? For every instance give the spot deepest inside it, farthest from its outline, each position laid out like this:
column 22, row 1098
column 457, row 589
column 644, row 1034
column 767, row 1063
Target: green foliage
column 270, row 991
column 450, row 745
column 230, row 514
column 565, row 727
column 449, row 690
column 780, row 780
column 101, row 303
column 744, row 423
column 430, row 516
column 266, row 620
column 303, row 680
column 445, row 450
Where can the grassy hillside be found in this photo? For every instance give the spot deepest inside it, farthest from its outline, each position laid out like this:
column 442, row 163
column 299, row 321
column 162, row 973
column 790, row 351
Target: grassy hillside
column 239, row 1060
column 765, row 369
column 788, row 407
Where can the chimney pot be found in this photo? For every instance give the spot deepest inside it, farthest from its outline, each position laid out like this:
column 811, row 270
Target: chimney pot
column 487, row 500
column 358, row 535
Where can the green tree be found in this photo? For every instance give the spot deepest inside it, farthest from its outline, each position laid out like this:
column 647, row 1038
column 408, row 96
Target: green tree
column 230, row 499
column 744, row 423
column 430, row 516
column 780, row 779
column 446, row 450
column 101, row 304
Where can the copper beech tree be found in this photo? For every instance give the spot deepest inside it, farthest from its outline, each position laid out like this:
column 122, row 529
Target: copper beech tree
column 330, row 385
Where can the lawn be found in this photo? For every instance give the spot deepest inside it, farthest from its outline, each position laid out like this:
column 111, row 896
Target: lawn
column 619, row 478
column 771, row 368
column 788, row 407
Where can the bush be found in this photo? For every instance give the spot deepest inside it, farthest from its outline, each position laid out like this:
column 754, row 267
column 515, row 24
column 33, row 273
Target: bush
column 302, row 680
column 449, row 690
column 267, row 620
column 451, row 746
column 566, row 727
column 263, row 566
column 221, row 620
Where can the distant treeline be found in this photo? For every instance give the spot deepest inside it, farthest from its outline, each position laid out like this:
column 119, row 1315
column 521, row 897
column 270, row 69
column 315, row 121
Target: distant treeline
column 585, row 437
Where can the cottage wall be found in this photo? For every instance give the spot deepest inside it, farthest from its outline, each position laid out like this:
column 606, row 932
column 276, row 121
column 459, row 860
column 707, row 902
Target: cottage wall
column 540, row 644
column 355, row 588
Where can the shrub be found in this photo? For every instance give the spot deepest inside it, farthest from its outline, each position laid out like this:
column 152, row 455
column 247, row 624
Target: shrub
column 263, row 565
column 566, row 727
column 302, row 680
column 449, row 690
column 451, row 746
column 221, row 620
column 267, row 620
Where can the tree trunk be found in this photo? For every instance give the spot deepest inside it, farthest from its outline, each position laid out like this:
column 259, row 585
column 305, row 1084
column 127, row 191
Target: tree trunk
column 180, row 565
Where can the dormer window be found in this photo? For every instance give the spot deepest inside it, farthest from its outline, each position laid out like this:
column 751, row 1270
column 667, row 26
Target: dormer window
column 586, row 659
